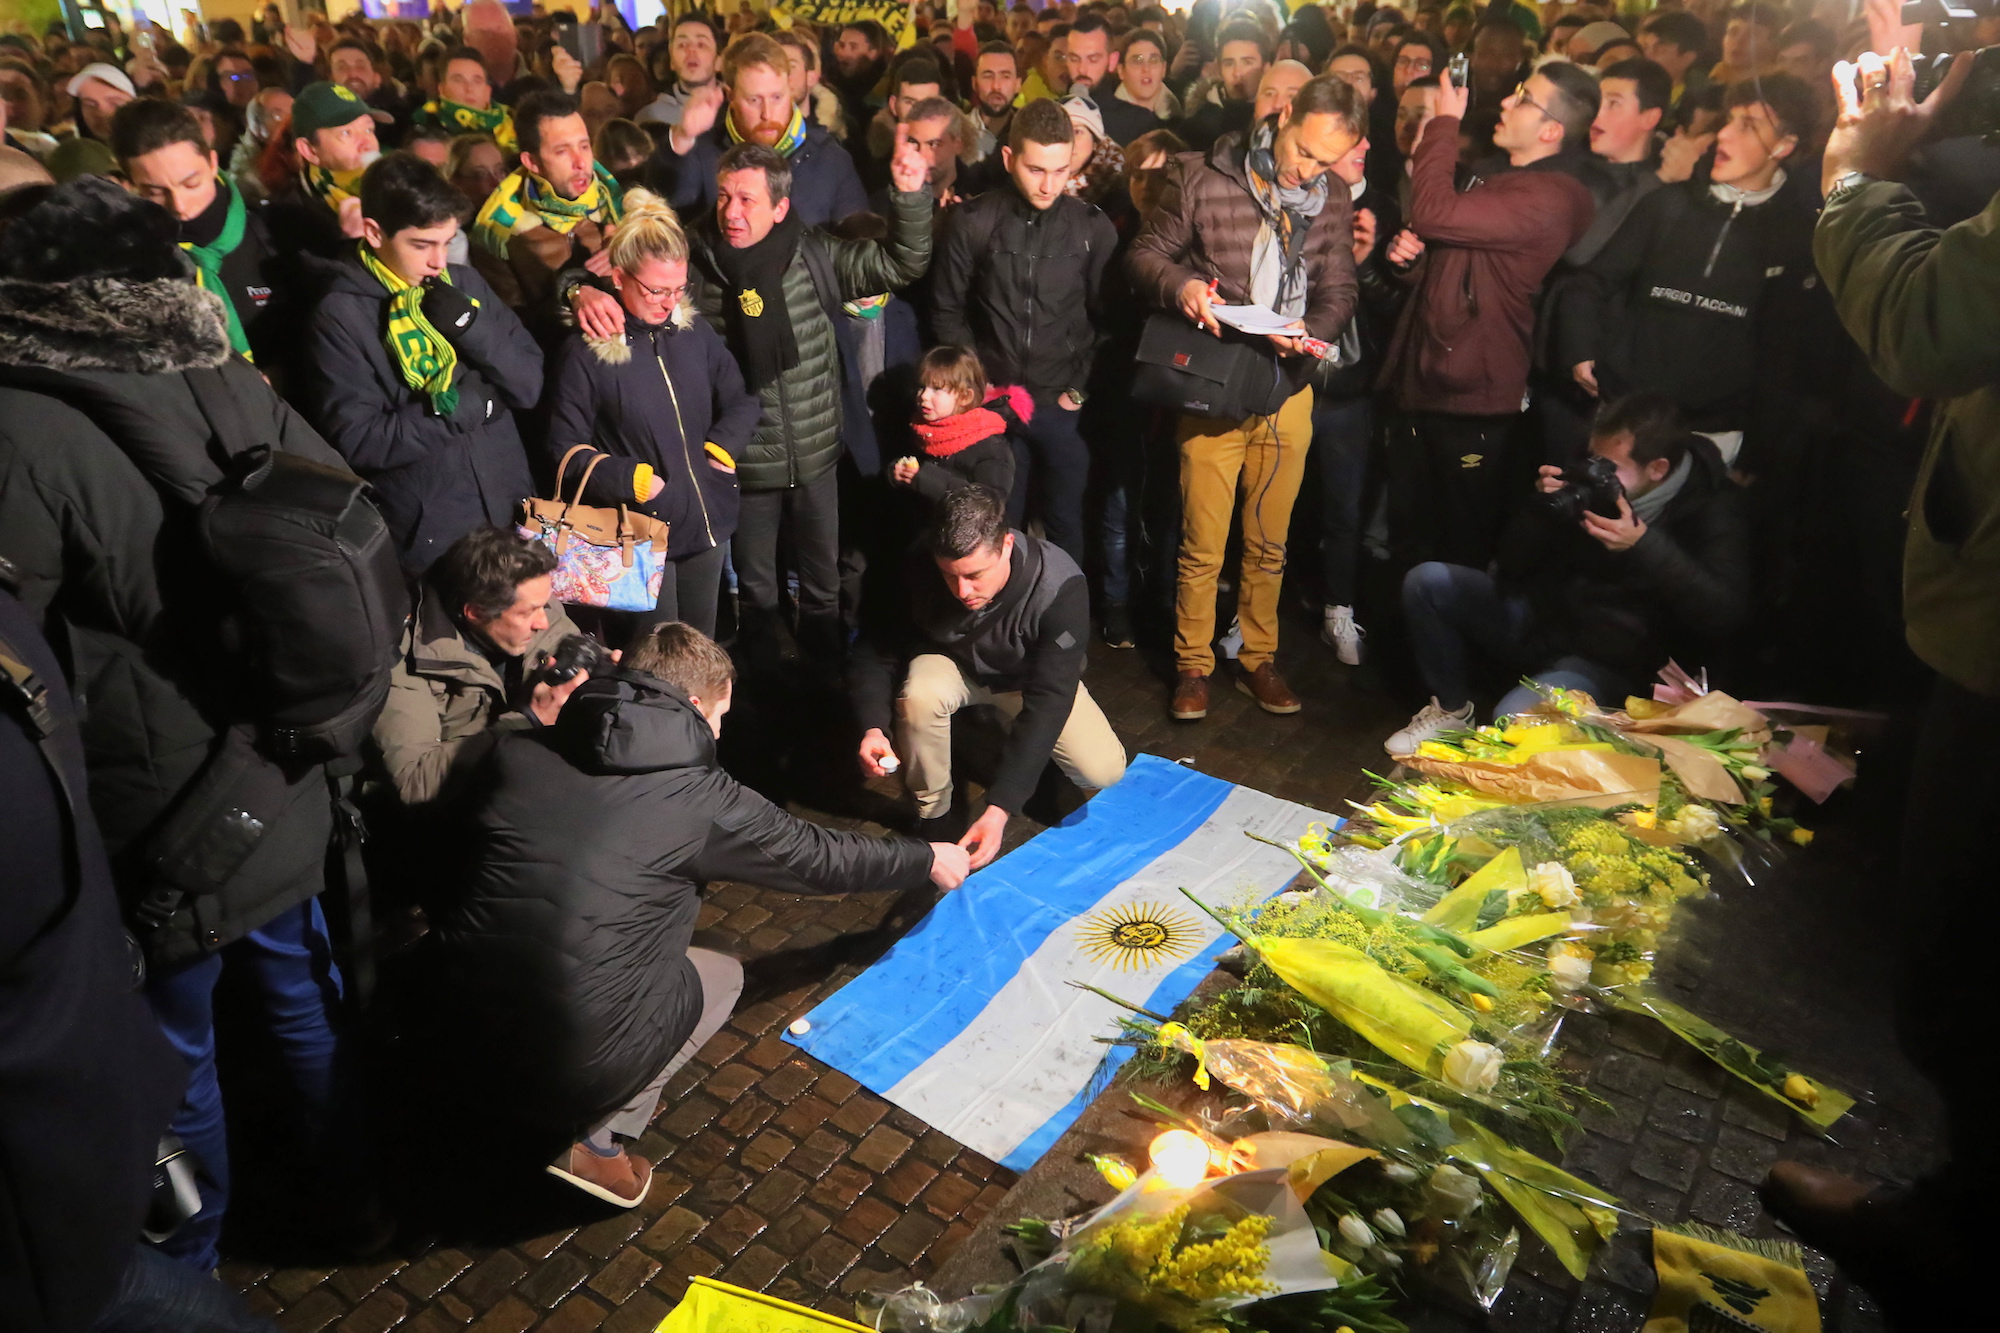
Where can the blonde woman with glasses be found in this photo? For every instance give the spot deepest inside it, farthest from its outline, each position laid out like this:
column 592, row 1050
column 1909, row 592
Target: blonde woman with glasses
column 663, row 405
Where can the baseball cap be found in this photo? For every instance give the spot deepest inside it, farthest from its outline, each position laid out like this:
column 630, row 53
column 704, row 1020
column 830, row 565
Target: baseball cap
column 103, row 73
column 328, row 106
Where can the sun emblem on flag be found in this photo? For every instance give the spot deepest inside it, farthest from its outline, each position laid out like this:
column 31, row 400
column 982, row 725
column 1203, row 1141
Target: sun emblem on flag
column 1137, row 936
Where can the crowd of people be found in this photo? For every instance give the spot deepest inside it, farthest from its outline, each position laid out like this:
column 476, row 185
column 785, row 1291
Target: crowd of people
column 908, row 366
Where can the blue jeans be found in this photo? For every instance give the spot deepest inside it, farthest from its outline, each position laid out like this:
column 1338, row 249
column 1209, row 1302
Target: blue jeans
column 291, row 961
column 157, row 1295
column 1343, row 429
column 1452, row 609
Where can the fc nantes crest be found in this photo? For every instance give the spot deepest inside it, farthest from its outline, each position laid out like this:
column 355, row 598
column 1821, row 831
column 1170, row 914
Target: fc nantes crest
column 753, row 304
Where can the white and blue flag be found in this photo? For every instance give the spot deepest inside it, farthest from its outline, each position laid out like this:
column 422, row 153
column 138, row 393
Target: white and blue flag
column 969, row 1021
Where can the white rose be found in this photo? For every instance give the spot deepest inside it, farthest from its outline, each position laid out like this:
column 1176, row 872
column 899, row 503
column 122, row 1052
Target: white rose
column 1568, row 968
column 1696, row 823
column 1453, row 1192
column 1553, row 882
column 1474, row 1066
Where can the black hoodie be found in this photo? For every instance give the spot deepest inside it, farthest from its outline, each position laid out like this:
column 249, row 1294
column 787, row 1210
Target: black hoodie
column 560, row 958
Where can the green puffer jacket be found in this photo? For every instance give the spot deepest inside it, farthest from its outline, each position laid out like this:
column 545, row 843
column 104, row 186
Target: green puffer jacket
column 1924, row 305
column 799, row 437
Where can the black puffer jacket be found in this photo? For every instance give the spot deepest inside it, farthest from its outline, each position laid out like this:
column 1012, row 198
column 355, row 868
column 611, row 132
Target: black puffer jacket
column 655, row 398
column 94, row 374
column 1022, row 286
column 436, row 478
column 1682, row 592
column 561, row 961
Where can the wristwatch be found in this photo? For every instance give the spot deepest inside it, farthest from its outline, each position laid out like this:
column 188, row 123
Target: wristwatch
column 1848, row 181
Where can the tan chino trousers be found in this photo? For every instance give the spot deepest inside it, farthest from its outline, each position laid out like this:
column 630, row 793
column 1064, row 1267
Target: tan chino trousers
column 1088, row 751
column 1262, row 460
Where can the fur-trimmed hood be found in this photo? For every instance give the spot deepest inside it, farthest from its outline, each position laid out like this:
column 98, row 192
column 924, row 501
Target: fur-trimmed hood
column 112, row 324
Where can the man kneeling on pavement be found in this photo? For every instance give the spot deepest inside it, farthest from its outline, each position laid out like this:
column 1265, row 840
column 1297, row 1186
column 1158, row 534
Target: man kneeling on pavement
column 989, row 615
column 558, row 977
column 1600, row 581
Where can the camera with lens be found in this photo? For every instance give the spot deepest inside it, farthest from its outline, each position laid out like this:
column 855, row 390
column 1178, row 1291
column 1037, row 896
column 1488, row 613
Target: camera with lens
column 576, row 652
column 1951, row 26
column 1593, row 485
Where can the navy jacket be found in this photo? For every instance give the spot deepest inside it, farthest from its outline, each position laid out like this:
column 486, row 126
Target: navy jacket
column 631, row 411
column 825, row 186
column 436, row 478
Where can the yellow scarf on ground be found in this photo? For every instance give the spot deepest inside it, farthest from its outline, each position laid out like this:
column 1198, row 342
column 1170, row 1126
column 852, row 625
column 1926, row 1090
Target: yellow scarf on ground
column 1714, row 1280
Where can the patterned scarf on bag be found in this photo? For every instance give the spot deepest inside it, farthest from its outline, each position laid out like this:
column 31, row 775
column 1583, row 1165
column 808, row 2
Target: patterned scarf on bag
column 524, row 201
column 496, row 120
column 208, row 262
column 1277, row 260
column 427, row 361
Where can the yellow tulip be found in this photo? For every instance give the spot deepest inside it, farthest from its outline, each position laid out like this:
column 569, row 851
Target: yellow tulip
column 1799, row 1088
column 1802, row 836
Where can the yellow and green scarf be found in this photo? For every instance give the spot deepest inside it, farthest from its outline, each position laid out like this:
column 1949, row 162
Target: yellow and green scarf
column 427, row 361
column 208, row 262
column 524, row 201
column 788, row 142
column 330, row 187
column 496, row 120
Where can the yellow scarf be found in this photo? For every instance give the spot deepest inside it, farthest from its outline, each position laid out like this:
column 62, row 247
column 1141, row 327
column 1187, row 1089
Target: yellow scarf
column 524, row 201
column 330, row 187
column 427, row 361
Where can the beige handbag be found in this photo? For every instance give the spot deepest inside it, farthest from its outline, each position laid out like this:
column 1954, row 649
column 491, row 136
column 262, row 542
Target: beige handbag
column 613, row 558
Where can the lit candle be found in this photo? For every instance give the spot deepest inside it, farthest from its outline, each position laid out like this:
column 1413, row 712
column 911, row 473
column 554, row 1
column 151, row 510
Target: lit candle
column 1181, row 1157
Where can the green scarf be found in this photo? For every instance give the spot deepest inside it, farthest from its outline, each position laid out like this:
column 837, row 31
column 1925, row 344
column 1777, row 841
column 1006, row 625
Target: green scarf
column 788, row 142
column 524, row 201
column 427, row 361
column 495, row 120
column 208, row 262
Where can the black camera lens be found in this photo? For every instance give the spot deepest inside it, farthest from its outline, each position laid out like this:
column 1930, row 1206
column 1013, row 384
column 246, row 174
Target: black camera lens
column 577, row 652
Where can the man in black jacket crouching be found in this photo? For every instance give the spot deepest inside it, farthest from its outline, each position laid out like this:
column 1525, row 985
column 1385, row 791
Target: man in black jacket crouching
column 1000, row 618
column 1602, row 579
column 559, row 967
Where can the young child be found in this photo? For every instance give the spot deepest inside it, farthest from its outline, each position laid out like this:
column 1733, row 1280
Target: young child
column 964, row 442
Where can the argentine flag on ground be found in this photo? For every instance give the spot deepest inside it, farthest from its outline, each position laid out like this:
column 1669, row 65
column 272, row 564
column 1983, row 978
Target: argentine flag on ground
column 969, row 1022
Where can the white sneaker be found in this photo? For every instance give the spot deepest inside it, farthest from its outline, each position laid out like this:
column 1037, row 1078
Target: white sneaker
column 1342, row 634
column 1232, row 642
column 1431, row 720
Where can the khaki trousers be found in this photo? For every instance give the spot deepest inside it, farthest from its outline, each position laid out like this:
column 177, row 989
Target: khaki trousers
column 1088, row 751
column 1263, row 459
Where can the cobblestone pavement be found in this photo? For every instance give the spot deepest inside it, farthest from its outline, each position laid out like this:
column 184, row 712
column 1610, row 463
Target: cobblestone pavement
column 778, row 1173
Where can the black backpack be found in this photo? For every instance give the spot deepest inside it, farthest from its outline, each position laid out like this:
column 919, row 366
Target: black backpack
column 304, row 566
column 317, row 599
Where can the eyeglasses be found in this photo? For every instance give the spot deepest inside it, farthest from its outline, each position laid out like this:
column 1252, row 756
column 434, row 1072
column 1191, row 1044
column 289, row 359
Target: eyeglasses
column 239, row 76
column 1521, row 98
column 1418, row 64
column 1145, row 62
column 673, row 294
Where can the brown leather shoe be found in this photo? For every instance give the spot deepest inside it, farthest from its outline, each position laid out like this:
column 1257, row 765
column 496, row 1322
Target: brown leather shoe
column 622, row 1180
column 1190, row 697
column 1268, row 688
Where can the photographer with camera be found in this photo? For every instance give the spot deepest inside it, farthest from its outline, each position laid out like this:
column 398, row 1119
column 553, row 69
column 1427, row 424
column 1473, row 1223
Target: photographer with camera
column 1924, row 305
column 418, row 368
column 560, row 989
column 1637, row 554
column 471, row 665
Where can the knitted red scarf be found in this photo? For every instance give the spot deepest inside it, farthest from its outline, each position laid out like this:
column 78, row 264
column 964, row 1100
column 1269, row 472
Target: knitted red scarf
column 944, row 438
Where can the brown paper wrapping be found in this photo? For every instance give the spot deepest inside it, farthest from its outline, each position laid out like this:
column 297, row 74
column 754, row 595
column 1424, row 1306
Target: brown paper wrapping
column 1714, row 711
column 1558, row 775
